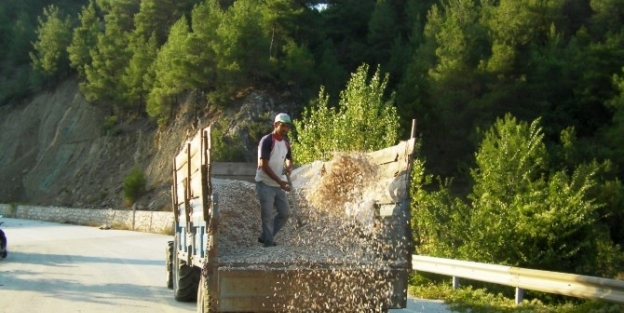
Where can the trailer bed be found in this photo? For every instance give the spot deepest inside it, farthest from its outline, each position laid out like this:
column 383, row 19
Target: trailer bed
column 354, row 262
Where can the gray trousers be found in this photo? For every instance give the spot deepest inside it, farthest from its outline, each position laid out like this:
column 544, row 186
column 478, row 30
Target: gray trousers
column 271, row 198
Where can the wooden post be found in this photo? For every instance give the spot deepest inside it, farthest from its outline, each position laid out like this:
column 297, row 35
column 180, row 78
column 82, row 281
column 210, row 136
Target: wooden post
column 174, row 193
column 188, row 193
column 187, row 189
column 205, row 176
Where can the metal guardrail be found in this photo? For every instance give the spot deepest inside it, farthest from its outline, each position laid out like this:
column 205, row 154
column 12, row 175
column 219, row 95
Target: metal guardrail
column 579, row 286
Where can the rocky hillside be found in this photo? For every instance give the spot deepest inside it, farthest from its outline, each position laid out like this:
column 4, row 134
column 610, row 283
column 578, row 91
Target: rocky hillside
column 52, row 151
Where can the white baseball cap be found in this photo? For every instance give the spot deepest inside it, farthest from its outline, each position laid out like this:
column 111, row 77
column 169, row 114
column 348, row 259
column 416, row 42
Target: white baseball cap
column 283, row 118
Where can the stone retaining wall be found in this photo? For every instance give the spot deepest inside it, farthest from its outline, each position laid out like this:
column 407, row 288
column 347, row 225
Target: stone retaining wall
column 145, row 221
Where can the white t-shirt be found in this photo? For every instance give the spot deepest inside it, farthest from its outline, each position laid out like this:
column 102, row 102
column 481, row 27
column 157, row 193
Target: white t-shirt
column 276, row 151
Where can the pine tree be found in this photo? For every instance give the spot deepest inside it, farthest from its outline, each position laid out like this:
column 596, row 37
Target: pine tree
column 279, row 18
column 346, row 25
column 156, row 17
column 243, row 48
column 121, row 13
column 135, row 79
column 614, row 130
column 382, row 31
column 20, row 40
column 331, row 73
column 201, row 63
column 169, row 74
column 298, row 66
column 84, row 39
column 109, row 59
column 54, row 36
column 607, row 17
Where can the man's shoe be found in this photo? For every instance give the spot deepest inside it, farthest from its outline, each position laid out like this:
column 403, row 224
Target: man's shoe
column 260, row 240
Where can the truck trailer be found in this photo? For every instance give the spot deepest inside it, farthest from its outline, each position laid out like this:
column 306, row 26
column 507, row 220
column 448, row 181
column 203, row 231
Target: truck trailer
column 346, row 247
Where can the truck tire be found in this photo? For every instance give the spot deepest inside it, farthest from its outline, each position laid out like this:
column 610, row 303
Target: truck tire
column 169, row 264
column 203, row 298
column 185, row 279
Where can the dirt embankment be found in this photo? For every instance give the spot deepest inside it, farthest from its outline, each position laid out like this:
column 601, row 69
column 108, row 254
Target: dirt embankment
column 52, row 153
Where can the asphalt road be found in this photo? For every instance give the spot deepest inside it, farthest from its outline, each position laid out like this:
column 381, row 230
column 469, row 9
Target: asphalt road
column 67, row 268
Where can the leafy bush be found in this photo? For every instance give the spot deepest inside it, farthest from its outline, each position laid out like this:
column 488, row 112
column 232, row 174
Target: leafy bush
column 109, row 126
column 225, row 147
column 438, row 218
column 363, row 121
column 521, row 212
column 134, row 185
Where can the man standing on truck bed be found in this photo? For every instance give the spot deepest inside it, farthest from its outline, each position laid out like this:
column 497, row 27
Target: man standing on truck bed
column 274, row 158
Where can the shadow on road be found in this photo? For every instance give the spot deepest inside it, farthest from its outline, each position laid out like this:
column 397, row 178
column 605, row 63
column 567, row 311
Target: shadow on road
column 72, row 260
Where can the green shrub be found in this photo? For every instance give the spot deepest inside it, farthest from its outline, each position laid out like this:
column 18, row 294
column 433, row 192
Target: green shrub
column 134, row 185
column 365, row 120
column 226, row 147
column 547, row 214
column 109, row 126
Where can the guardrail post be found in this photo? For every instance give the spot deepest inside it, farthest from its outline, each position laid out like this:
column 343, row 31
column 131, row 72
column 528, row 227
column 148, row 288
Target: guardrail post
column 455, row 282
column 519, row 295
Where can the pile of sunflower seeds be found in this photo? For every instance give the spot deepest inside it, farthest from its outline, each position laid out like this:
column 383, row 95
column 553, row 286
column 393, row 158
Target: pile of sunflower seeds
column 329, row 235
column 335, row 261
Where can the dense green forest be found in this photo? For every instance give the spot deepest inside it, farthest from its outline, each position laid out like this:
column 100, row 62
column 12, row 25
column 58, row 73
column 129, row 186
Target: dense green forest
column 519, row 103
